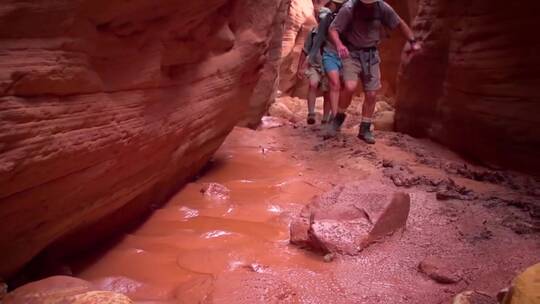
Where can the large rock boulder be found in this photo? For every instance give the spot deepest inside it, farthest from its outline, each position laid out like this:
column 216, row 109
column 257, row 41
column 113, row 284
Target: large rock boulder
column 348, row 218
column 474, row 87
column 107, row 107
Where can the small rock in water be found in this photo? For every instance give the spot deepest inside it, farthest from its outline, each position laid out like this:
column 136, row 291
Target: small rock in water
column 215, row 191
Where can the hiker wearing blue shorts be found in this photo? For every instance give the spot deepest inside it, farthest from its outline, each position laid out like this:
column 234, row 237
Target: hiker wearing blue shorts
column 312, row 68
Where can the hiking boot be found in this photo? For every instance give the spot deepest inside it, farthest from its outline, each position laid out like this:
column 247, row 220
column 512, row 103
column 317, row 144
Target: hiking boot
column 311, row 118
column 338, row 121
column 365, row 133
column 328, row 120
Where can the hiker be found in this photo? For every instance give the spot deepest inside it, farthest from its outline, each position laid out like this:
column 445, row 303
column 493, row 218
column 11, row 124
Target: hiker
column 356, row 33
column 312, row 67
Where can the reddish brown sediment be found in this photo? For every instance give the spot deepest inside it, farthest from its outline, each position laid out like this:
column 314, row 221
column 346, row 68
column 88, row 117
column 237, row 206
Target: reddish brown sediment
column 204, row 247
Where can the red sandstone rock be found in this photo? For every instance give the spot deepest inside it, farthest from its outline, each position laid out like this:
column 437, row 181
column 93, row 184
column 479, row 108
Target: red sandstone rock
column 440, row 270
column 473, row 87
column 347, row 219
column 109, row 106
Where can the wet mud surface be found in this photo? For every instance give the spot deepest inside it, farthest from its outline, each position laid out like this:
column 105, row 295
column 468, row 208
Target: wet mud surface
column 224, row 238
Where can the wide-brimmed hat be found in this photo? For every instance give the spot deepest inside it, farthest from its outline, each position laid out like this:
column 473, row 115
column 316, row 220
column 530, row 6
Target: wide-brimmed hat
column 370, row 1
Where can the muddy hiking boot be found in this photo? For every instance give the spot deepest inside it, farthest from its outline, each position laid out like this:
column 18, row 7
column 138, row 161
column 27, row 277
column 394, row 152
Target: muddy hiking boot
column 327, row 120
column 333, row 126
column 365, row 133
column 338, row 120
column 311, row 118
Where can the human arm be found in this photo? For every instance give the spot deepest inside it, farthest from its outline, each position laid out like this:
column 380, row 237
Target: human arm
column 342, row 50
column 339, row 25
column 392, row 21
column 414, row 45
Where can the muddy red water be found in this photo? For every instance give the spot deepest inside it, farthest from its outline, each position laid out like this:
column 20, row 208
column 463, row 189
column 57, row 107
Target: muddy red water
column 232, row 245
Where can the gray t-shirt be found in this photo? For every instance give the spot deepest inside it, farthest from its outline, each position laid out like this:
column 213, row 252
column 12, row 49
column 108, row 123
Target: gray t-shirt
column 362, row 28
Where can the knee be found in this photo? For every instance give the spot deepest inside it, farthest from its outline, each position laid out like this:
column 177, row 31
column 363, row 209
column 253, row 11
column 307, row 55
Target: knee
column 313, row 85
column 371, row 95
column 335, row 84
column 350, row 87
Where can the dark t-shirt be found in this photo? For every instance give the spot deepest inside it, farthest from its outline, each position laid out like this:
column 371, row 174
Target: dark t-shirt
column 363, row 28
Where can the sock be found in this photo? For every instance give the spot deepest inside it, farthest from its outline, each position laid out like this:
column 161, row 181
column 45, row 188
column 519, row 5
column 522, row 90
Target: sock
column 366, row 119
column 326, row 116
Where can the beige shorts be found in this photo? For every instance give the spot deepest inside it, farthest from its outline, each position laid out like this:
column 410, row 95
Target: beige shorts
column 316, row 76
column 352, row 69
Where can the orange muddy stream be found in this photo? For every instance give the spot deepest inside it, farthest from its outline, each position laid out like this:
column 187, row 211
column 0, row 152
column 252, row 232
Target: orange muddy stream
column 234, row 247
column 196, row 237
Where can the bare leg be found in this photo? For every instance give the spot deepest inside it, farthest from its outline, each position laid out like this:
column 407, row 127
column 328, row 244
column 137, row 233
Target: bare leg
column 369, row 104
column 367, row 114
column 335, row 88
column 327, row 109
column 312, row 97
column 347, row 94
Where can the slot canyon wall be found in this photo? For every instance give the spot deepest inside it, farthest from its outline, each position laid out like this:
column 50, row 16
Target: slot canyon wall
column 475, row 87
column 107, row 107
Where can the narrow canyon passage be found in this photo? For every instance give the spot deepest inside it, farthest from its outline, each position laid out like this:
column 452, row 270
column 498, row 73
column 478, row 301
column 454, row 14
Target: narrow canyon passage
column 224, row 238
column 161, row 152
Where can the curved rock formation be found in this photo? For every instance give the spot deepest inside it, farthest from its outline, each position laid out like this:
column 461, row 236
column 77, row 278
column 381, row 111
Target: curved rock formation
column 107, row 107
column 474, row 88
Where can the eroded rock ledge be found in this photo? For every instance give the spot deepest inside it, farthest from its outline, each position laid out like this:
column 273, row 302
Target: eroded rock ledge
column 474, row 87
column 107, row 107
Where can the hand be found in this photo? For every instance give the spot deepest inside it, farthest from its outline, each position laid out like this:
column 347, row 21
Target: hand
column 413, row 48
column 343, row 51
column 416, row 47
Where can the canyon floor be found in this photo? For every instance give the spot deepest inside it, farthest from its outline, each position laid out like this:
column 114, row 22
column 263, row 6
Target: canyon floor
column 228, row 242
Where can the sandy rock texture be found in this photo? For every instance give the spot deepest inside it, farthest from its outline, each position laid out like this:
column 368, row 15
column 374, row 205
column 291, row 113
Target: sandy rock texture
column 65, row 290
column 107, row 107
column 474, row 86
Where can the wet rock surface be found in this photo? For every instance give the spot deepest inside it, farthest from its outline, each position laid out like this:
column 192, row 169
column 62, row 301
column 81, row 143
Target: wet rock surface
column 347, row 219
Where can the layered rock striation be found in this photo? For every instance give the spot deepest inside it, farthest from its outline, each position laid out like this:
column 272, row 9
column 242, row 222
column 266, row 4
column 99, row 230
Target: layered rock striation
column 107, row 107
column 474, row 88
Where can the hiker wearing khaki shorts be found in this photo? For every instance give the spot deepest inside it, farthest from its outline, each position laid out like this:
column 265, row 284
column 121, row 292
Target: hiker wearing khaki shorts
column 356, row 33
